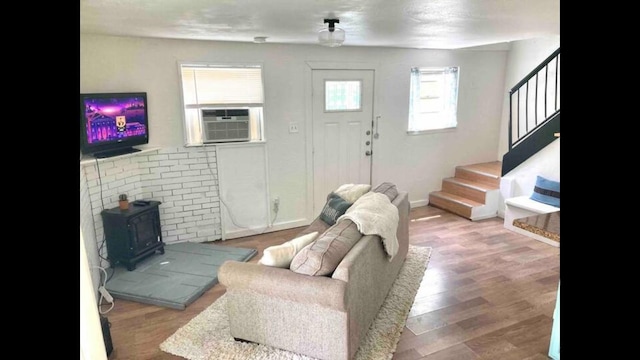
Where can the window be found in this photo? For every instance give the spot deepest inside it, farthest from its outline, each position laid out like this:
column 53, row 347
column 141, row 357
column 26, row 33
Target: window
column 342, row 95
column 433, row 98
column 214, row 87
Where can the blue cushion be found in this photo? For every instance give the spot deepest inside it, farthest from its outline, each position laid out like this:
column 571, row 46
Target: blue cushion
column 546, row 191
column 333, row 209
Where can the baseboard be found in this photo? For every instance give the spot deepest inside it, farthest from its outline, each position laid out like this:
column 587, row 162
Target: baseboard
column 261, row 230
column 418, row 203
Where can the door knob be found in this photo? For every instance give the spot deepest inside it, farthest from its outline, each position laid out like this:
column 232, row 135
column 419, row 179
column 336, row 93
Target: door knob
column 368, row 142
column 368, row 152
column 368, row 132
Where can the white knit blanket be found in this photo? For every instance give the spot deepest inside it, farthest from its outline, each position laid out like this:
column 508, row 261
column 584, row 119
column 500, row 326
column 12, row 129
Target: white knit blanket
column 374, row 214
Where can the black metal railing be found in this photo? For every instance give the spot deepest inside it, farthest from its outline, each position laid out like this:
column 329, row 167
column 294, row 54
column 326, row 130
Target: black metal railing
column 543, row 81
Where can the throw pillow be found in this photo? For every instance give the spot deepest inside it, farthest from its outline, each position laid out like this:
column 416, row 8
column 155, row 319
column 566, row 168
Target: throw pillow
column 333, row 209
column 388, row 189
column 546, row 191
column 351, row 192
column 323, row 256
column 281, row 255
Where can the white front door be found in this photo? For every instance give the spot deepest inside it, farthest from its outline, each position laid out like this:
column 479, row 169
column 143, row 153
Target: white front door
column 342, row 127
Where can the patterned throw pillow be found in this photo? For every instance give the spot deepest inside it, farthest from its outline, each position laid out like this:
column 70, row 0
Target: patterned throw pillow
column 333, row 209
column 546, row 191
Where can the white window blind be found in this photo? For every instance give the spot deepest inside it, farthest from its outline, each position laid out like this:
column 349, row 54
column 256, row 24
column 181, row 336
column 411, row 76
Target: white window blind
column 433, row 99
column 215, row 86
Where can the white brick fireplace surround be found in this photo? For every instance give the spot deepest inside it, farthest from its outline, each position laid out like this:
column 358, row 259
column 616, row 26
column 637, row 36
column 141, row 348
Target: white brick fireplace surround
column 184, row 179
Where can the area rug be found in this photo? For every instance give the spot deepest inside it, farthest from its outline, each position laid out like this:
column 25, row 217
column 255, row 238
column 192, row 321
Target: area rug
column 207, row 335
column 176, row 278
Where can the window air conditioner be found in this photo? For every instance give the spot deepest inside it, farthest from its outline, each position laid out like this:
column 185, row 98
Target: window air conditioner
column 224, row 125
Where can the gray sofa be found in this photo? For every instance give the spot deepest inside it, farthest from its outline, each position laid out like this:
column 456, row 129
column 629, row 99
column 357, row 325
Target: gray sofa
column 325, row 317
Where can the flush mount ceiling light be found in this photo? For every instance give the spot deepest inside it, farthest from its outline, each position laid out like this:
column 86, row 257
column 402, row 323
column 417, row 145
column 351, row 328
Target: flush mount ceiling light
column 332, row 36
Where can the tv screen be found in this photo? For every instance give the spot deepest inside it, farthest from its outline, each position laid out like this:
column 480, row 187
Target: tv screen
column 111, row 123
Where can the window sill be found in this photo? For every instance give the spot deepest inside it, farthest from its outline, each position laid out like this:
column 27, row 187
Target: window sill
column 432, row 131
column 230, row 143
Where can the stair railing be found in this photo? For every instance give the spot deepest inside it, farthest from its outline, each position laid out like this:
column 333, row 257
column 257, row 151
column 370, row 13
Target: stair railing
column 545, row 78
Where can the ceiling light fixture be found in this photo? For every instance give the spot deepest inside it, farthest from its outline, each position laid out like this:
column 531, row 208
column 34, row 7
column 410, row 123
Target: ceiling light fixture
column 332, row 36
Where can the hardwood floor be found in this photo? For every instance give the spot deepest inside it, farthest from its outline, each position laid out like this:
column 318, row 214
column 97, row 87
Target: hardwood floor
column 488, row 293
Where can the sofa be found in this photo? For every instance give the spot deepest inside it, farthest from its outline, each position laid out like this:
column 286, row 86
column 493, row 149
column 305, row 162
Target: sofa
column 324, row 317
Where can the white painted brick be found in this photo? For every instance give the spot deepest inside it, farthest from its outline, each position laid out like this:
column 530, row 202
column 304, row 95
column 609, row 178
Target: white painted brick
column 210, row 205
column 191, row 184
column 164, row 216
column 192, row 207
column 167, row 175
column 191, row 173
column 206, row 232
column 184, row 213
column 181, row 191
column 193, row 230
column 141, row 171
column 169, row 227
column 170, row 239
column 178, row 156
column 116, row 184
column 113, row 171
column 201, row 189
column 210, row 183
column 173, row 210
column 186, row 236
column 158, row 157
column 201, row 200
column 174, row 221
column 169, row 162
column 211, row 194
column 192, row 196
column 201, row 212
column 126, row 188
column 149, row 164
column 202, row 177
column 193, row 218
column 148, row 177
column 213, row 238
column 209, row 216
column 183, row 202
column 139, row 158
column 161, row 193
column 168, row 150
column 179, row 167
column 185, row 225
column 198, row 166
column 133, row 179
column 176, row 232
column 189, row 161
column 206, row 222
column 159, row 169
column 176, row 199
column 172, row 186
column 195, row 155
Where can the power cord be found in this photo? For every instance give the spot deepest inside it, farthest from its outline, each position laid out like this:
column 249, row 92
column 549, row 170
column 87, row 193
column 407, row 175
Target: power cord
column 102, row 203
column 104, row 294
column 233, row 219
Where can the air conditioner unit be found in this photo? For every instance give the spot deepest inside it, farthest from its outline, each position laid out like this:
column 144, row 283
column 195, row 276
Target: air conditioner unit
column 224, row 125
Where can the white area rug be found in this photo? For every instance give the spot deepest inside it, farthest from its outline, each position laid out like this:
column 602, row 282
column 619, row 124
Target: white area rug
column 207, row 336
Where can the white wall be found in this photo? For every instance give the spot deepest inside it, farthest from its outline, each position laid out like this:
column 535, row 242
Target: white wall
column 415, row 163
column 524, row 56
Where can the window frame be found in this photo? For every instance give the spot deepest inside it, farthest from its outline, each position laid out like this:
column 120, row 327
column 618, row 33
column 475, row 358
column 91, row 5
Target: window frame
column 324, row 95
column 224, row 64
column 434, row 69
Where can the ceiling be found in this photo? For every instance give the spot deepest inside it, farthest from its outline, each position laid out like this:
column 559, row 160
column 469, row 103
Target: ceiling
column 435, row 24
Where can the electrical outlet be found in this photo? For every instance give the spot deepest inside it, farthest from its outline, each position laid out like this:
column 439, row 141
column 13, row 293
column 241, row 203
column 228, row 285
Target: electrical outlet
column 276, row 204
column 293, row 127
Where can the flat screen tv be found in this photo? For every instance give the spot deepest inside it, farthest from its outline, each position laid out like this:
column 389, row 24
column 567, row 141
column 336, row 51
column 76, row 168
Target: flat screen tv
column 112, row 123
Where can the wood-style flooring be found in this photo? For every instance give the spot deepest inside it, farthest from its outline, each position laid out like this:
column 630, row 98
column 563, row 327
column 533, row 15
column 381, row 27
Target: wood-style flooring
column 488, row 293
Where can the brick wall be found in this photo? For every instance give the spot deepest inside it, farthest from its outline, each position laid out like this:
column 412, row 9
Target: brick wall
column 184, row 179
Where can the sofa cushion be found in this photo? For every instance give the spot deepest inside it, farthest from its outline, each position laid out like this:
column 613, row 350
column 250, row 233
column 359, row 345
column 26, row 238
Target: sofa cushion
column 322, row 256
column 546, row 191
column 351, row 192
column 333, row 209
column 388, row 189
column 317, row 225
column 281, row 255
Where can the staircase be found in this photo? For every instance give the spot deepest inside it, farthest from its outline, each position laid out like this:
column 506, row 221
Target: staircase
column 473, row 192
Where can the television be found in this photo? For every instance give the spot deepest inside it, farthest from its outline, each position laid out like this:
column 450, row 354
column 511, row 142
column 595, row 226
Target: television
column 112, row 123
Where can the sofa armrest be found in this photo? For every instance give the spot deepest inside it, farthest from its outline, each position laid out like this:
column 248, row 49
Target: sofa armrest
column 283, row 283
